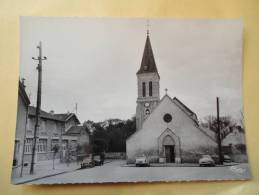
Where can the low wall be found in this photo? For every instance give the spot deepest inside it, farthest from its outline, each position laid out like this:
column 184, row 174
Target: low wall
column 115, row 155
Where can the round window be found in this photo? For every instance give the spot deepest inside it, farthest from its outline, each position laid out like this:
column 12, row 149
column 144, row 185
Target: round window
column 168, row 118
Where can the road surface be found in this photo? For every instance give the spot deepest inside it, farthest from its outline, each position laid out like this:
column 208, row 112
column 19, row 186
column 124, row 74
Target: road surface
column 116, row 172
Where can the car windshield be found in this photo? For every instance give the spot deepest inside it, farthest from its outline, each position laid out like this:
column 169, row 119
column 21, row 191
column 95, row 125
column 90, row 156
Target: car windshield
column 141, row 156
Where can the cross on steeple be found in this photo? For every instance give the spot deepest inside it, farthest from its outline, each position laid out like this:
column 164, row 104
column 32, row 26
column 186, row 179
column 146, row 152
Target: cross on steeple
column 166, row 91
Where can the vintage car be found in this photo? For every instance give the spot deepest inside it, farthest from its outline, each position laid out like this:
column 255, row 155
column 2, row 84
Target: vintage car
column 98, row 160
column 206, row 160
column 227, row 158
column 87, row 162
column 142, row 160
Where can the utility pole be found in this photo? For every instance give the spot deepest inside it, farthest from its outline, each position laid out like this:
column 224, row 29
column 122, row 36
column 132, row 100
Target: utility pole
column 219, row 135
column 38, row 107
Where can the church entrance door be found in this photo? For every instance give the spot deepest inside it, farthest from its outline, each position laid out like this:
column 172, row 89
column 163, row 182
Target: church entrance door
column 169, row 153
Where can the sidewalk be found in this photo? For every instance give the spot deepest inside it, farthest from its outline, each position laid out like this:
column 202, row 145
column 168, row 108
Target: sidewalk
column 44, row 169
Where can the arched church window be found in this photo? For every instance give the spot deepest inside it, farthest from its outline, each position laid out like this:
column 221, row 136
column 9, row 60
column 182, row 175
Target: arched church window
column 150, row 88
column 147, row 112
column 144, row 89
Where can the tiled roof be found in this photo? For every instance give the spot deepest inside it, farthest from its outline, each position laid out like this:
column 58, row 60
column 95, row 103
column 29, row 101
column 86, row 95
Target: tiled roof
column 234, row 138
column 23, row 93
column 57, row 117
column 75, row 130
column 148, row 63
column 43, row 114
column 62, row 117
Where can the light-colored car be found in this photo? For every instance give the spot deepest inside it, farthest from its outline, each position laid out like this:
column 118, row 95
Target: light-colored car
column 98, row 161
column 87, row 162
column 227, row 158
column 206, row 160
column 142, row 160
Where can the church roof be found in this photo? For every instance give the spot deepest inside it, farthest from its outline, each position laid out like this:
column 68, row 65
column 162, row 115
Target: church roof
column 148, row 64
column 187, row 110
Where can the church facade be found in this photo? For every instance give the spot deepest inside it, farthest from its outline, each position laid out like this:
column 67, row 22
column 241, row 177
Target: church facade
column 167, row 130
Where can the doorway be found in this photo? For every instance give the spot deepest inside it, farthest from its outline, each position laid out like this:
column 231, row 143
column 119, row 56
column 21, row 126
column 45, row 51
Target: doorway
column 169, row 153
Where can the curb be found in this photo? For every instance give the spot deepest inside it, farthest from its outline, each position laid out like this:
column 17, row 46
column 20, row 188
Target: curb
column 38, row 178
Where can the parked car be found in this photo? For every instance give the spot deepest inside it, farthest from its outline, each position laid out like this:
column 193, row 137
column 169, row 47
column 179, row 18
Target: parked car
column 206, row 160
column 227, row 158
column 87, row 162
column 142, row 160
column 98, row 160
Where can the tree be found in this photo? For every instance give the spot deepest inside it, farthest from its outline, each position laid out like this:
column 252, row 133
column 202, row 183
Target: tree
column 111, row 138
column 226, row 124
column 100, row 139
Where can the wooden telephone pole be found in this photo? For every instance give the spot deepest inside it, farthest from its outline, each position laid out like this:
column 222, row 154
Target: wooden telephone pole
column 219, row 135
column 38, row 107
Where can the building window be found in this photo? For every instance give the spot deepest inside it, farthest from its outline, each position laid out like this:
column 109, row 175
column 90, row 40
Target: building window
column 16, row 152
column 42, row 145
column 28, row 145
column 64, row 144
column 147, row 112
column 54, row 142
column 144, row 89
column 74, row 144
column 17, row 147
column 150, row 88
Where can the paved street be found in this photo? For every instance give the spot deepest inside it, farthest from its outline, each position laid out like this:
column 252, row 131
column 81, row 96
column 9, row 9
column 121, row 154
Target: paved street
column 116, row 172
column 43, row 169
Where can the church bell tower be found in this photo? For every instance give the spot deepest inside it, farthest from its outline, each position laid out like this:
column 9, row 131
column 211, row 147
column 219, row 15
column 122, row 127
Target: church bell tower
column 148, row 85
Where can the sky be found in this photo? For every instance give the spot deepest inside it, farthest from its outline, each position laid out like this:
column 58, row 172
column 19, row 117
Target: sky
column 93, row 62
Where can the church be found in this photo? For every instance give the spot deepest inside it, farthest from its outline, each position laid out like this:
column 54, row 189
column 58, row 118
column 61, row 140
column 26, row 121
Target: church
column 166, row 129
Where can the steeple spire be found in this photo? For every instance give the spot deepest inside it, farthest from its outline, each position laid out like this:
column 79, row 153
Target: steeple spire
column 147, row 27
column 148, row 84
column 148, row 63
